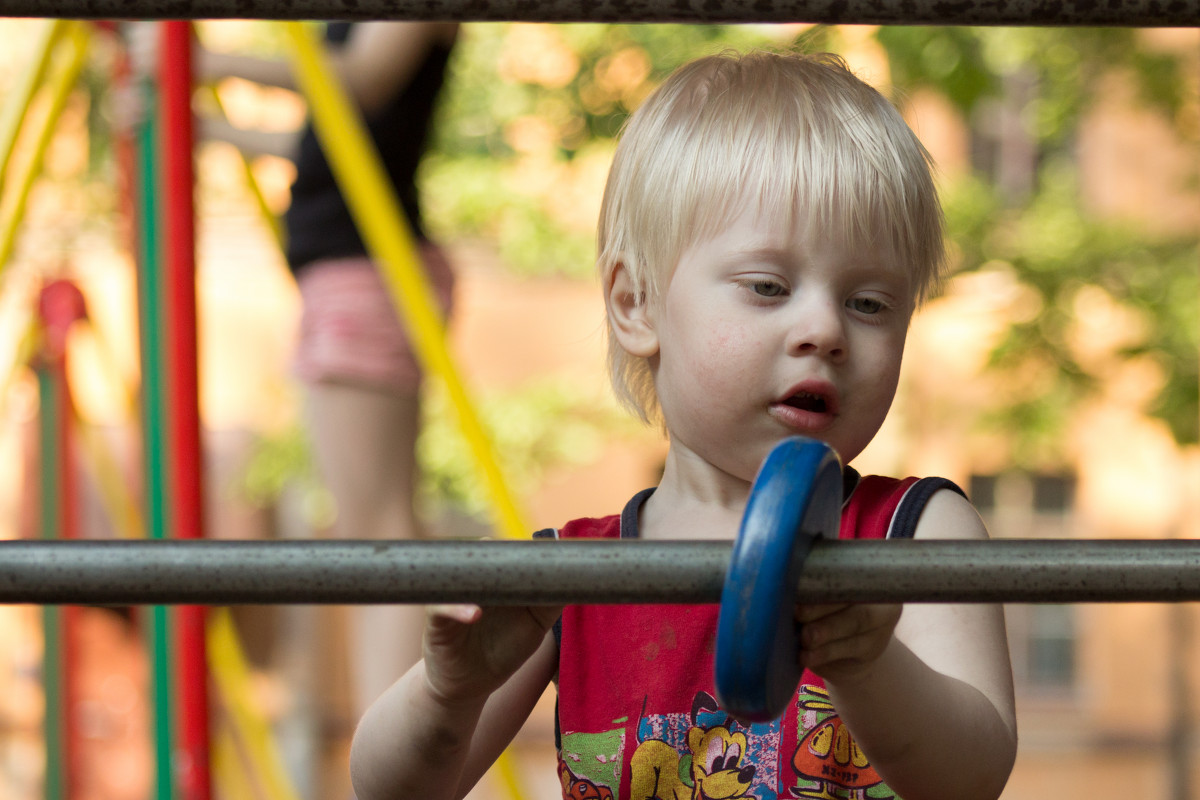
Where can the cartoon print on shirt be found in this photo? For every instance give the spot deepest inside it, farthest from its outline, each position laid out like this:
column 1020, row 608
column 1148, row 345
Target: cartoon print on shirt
column 592, row 759
column 828, row 762
column 712, row 766
column 577, row 788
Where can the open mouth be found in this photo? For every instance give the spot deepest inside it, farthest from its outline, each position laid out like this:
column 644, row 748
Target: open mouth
column 807, row 401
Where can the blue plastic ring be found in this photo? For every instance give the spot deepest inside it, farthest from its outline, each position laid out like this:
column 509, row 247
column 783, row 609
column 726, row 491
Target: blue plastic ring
column 796, row 497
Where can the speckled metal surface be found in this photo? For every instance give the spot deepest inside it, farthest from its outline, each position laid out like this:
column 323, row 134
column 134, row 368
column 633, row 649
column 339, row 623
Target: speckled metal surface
column 554, row 573
column 1136, row 13
column 1004, row 570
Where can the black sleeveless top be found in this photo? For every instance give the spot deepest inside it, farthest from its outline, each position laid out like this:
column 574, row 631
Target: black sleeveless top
column 318, row 223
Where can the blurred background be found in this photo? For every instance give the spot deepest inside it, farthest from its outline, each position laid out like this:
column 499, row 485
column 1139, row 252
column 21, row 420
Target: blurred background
column 1055, row 377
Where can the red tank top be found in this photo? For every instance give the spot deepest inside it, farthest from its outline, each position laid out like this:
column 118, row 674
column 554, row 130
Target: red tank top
column 637, row 716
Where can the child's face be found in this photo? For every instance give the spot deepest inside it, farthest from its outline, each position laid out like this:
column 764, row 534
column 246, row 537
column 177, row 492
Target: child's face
column 770, row 330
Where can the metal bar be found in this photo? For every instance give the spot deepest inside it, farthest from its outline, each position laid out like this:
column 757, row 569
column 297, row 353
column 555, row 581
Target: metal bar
column 184, row 456
column 553, row 573
column 1133, row 13
column 54, row 628
column 154, row 429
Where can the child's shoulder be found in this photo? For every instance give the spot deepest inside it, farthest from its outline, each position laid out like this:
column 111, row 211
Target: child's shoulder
column 879, row 507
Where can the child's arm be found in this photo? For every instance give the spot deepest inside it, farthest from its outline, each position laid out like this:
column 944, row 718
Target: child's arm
column 436, row 730
column 927, row 693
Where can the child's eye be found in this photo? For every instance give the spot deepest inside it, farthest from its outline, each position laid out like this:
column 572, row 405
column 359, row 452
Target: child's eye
column 766, row 288
column 867, row 305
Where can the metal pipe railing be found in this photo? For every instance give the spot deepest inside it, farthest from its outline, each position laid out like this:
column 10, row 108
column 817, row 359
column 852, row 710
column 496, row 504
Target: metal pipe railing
column 1131, row 13
column 554, row 573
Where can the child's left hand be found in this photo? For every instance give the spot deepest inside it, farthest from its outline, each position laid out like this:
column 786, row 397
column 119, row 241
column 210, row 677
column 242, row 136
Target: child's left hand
column 839, row 641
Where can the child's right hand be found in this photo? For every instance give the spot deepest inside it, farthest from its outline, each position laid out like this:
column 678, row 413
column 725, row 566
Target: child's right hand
column 471, row 651
column 840, row 641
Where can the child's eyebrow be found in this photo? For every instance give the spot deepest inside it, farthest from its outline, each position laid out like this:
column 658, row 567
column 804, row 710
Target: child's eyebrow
column 875, row 265
column 764, row 253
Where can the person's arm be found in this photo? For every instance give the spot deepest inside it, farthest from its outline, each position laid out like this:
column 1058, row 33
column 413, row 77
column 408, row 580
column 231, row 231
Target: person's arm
column 436, row 731
column 930, row 704
column 252, row 142
column 377, row 61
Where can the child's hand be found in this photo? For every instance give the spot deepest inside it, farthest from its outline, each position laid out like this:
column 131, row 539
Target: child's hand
column 839, row 641
column 471, row 651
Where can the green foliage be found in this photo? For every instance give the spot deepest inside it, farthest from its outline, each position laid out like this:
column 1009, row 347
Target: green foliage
column 584, row 78
column 948, row 60
column 476, row 198
column 283, row 461
column 528, row 103
column 1059, row 252
column 970, row 65
column 525, row 104
column 1052, row 244
column 541, row 426
column 533, row 429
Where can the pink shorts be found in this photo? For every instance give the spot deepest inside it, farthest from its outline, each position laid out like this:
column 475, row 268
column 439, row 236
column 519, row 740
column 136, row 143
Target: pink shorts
column 349, row 329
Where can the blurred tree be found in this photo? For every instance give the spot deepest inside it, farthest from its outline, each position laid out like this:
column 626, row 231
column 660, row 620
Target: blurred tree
column 533, row 111
column 529, row 124
column 1024, row 93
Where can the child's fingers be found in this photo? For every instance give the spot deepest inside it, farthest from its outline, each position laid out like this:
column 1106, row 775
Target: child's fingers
column 471, row 650
column 850, row 622
column 845, row 635
column 468, row 614
column 805, row 614
column 465, row 613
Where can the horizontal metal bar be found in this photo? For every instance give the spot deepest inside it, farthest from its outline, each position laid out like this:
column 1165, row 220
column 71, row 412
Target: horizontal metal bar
column 558, row 573
column 1131, row 13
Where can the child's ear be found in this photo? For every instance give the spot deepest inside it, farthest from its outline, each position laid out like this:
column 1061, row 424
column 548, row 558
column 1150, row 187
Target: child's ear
column 629, row 314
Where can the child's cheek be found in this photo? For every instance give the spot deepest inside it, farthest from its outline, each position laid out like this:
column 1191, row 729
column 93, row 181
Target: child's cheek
column 730, row 343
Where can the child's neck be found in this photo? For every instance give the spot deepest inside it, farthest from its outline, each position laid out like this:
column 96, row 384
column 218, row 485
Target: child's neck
column 694, row 503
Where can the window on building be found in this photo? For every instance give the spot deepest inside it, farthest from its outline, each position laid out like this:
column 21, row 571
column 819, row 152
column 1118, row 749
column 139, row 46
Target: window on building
column 1042, row 638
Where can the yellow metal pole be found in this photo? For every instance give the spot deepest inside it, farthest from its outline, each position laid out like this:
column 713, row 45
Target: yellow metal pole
column 373, row 204
column 61, row 84
column 118, row 502
column 372, row 201
column 233, row 684
column 16, row 104
column 231, row 773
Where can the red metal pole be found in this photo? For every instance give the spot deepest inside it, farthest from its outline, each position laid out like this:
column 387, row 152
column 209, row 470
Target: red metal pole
column 183, row 408
column 60, row 305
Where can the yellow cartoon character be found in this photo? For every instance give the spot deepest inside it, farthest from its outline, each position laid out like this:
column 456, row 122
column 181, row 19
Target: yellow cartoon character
column 712, row 769
column 717, row 763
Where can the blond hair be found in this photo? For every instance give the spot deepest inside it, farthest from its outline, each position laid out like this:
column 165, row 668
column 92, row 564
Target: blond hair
column 783, row 131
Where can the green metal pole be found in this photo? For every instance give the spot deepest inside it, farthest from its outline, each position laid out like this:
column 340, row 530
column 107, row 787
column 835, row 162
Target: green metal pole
column 154, row 428
column 52, row 677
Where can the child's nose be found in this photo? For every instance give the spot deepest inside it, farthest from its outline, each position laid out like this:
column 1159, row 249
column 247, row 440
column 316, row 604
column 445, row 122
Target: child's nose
column 819, row 329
